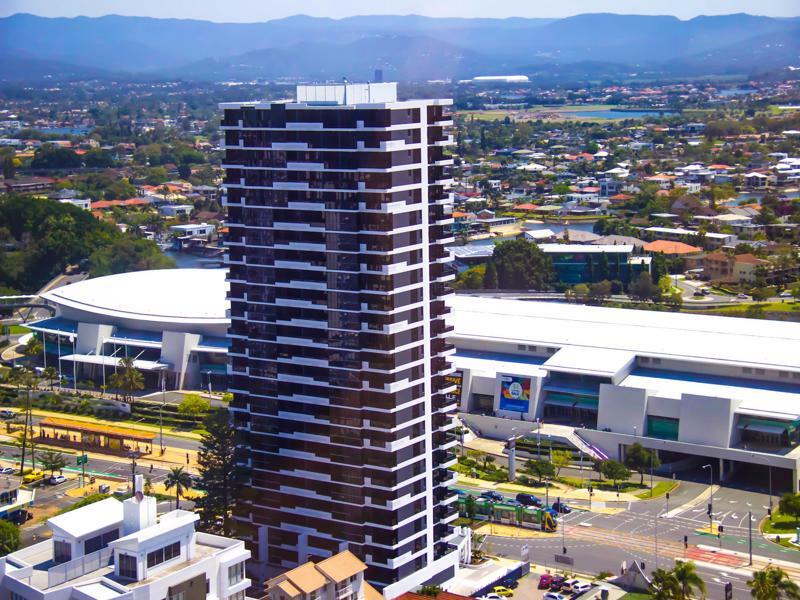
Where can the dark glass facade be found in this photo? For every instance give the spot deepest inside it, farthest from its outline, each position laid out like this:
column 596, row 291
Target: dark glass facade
column 338, row 218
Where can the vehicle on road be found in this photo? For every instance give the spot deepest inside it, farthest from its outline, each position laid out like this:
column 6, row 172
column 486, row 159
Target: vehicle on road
column 743, row 296
column 7, row 470
column 579, row 587
column 785, row 294
column 493, row 496
column 33, row 476
column 545, row 579
column 7, row 414
column 502, row 590
column 529, row 500
column 561, row 508
column 56, row 479
column 554, row 596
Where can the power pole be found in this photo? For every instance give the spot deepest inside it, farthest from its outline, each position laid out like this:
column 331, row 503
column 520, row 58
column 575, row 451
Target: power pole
column 750, row 534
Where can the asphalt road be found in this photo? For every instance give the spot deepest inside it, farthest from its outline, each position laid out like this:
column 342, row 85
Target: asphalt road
column 598, row 542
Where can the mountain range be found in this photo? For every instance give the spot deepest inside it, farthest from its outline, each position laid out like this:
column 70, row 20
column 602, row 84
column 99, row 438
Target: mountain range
column 405, row 47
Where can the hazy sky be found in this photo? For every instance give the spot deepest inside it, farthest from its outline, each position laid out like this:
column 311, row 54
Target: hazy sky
column 262, row 10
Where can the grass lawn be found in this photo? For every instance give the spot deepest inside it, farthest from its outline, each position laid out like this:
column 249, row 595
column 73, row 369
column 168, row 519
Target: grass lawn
column 626, row 487
column 661, row 488
column 788, row 306
column 636, row 596
column 17, row 329
column 779, row 524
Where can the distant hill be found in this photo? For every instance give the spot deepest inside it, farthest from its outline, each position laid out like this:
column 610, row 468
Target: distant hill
column 406, row 47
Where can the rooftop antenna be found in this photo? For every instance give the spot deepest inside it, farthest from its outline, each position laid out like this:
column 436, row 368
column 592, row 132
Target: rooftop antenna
column 344, row 79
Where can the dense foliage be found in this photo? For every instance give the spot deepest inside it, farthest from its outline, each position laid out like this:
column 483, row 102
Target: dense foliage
column 39, row 238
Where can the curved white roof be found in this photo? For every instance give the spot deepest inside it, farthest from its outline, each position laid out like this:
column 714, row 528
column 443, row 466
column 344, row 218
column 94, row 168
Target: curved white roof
column 167, row 295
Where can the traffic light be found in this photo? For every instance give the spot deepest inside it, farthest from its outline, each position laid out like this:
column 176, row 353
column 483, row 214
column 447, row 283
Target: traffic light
column 728, row 590
column 769, row 511
column 719, row 529
column 667, row 495
column 685, row 541
column 708, row 510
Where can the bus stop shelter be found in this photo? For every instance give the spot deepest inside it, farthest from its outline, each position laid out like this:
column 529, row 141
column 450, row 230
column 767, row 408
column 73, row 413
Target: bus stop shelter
column 94, row 437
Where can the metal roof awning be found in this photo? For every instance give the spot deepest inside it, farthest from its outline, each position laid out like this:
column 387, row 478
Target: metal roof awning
column 55, row 325
column 114, row 361
column 558, row 401
column 771, row 429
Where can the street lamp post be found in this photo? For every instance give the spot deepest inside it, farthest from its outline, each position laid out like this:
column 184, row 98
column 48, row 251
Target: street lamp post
column 160, row 411
column 547, row 492
column 710, row 497
column 74, row 366
column 538, row 438
column 58, row 337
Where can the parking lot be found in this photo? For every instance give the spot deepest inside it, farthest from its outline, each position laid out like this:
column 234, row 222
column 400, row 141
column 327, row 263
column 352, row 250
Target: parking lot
column 528, row 589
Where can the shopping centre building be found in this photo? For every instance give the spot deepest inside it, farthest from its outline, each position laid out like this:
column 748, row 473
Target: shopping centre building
column 172, row 322
column 699, row 389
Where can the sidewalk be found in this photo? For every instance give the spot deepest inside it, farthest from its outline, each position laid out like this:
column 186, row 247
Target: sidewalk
column 172, row 457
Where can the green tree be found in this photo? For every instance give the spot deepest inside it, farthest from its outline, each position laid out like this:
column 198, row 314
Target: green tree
column 52, row 461
column 29, row 381
column 128, row 379
column 430, row 590
column 490, row 277
column 128, row 254
column 540, row 468
column 641, row 459
column 179, row 479
column 219, row 472
column 9, row 169
column 599, row 291
column 50, row 374
column 184, row 172
column 469, row 506
column 772, row 583
column 690, row 583
column 193, row 405
column 561, row 460
column 789, row 505
column 521, row 265
column 615, row 471
column 9, row 537
column 664, row 585
column 645, row 289
column 51, row 156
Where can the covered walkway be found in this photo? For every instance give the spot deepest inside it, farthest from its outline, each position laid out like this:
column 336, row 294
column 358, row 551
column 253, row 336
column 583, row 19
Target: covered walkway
column 91, row 436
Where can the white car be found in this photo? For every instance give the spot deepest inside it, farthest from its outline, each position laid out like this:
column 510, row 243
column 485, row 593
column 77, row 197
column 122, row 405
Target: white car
column 7, row 470
column 56, row 479
column 492, row 596
column 785, row 294
column 554, row 596
column 578, row 587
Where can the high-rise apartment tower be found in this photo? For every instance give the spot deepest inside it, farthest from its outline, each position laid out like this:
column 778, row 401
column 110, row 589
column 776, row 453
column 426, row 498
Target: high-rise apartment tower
column 339, row 216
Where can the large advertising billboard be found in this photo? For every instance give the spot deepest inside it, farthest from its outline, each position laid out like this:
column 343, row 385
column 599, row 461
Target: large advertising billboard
column 515, row 393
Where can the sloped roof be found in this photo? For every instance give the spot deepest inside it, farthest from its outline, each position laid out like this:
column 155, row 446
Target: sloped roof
column 668, row 247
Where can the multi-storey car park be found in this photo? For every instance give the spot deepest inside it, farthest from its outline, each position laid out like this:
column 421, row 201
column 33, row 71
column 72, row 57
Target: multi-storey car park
column 339, row 216
column 699, row 389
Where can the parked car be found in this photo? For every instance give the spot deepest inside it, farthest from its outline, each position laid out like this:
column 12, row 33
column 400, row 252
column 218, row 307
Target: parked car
column 579, row 587
column 557, row 582
column 491, row 596
column 545, row 579
column 7, row 414
column 562, row 508
column 529, row 500
column 33, row 476
column 501, row 590
column 493, row 496
column 121, row 490
column 7, row 470
column 554, row 596
column 785, row 294
column 56, row 479
column 510, row 583
column 743, row 296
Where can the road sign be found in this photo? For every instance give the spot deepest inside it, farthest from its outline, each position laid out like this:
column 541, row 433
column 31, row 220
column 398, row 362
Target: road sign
column 82, row 459
column 525, row 553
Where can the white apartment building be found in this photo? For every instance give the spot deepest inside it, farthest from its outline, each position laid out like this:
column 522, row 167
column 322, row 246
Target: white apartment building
column 113, row 550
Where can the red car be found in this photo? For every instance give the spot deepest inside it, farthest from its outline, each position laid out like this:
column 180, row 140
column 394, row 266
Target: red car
column 544, row 581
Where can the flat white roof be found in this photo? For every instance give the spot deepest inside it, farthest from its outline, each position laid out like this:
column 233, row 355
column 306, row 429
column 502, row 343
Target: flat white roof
column 768, row 344
column 596, row 361
column 591, row 249
column 166, row 295
column 88, row 519
column 755, row 400
column 168, row 522
column 98, row 590
column 493, row 367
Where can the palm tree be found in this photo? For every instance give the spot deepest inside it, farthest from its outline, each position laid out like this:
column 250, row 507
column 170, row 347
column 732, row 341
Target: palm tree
column 28, row 380
column 180, row 480
column 772, row 583
column 50, row 374
column 688, row 580
column 129, row 379
column 52, row 461
column 664, row 585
